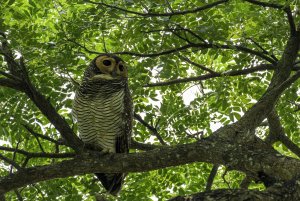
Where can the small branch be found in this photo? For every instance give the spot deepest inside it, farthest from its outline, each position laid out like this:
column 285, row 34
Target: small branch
column 84, row 47
column 36, row 137
column 261, row 67
column 41, row 136
column 277, row 133
column 11, row 162
column 202, row 46
column 38, row 155
column 263, row 49
column 190, row 45
column 198, row 9
column 197, row 65
column 151, row 128
column 211, row 177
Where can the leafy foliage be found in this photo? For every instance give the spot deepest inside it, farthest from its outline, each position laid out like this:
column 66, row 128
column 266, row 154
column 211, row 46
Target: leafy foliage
column 59, row 38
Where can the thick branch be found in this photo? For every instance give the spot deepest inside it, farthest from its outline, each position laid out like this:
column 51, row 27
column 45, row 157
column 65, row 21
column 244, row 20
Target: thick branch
column 255, row 115
column 19, row 70
column 162, row 14
column 254, row 156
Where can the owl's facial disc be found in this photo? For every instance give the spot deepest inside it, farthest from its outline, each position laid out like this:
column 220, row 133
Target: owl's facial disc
column 110, row 67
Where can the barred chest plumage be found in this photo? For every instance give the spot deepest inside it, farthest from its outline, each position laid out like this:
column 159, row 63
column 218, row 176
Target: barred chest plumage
column 99, row 110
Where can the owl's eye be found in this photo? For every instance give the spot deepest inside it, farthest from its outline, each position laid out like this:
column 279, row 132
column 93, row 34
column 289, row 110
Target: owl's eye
column 106, row 62
column 121, row 67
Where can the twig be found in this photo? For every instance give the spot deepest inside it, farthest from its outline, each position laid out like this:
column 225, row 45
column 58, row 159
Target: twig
column 263, row 49
column 209, row 76
column 18, row 194
column 82, row 46
column 224, row 179
column 36, row 137
column 151, row 128
column 265, row 4
column 211, row 177
column 162, row 14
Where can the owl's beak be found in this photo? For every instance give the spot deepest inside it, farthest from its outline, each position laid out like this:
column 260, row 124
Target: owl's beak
column 114, row 73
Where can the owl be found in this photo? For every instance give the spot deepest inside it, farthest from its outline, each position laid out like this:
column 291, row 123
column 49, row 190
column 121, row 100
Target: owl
column 102, row 108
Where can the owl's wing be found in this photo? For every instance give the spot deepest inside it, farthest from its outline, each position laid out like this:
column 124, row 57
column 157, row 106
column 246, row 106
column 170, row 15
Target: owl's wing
column 123, row 140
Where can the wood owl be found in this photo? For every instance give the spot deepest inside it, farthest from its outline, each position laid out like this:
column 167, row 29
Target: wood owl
column 102, row 108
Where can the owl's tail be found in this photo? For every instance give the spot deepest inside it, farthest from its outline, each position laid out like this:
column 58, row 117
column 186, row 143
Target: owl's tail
column 111, row 182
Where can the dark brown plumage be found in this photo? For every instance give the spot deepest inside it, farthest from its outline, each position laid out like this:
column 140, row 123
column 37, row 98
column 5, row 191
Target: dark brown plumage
column 103, row 111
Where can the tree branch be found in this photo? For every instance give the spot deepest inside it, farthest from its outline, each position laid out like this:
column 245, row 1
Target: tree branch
column 280, row 81
column 277, row 133
column 198, row 9
column 211, row 177
column 285, row 8
column 41, row 136
column 19, row 70
column 11, row 162
column 281, row 192
column 12, row 84
column 211, row 150
column 261, row 67
column 203, row 46
column 151, row 128
column 265, row 4
column 197, row 65
column 190, row 45
column 38, row 155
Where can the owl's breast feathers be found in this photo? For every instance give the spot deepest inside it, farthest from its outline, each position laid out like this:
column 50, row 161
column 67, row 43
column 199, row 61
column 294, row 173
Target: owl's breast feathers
column 103, row 110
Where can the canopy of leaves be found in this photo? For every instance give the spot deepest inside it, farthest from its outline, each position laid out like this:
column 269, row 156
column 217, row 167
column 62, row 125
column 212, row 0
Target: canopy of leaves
column 187, row 73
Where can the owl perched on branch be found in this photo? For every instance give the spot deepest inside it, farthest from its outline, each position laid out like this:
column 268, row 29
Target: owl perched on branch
column 103, row 110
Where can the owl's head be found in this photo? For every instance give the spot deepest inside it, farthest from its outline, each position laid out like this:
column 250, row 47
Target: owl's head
column 108, row 67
